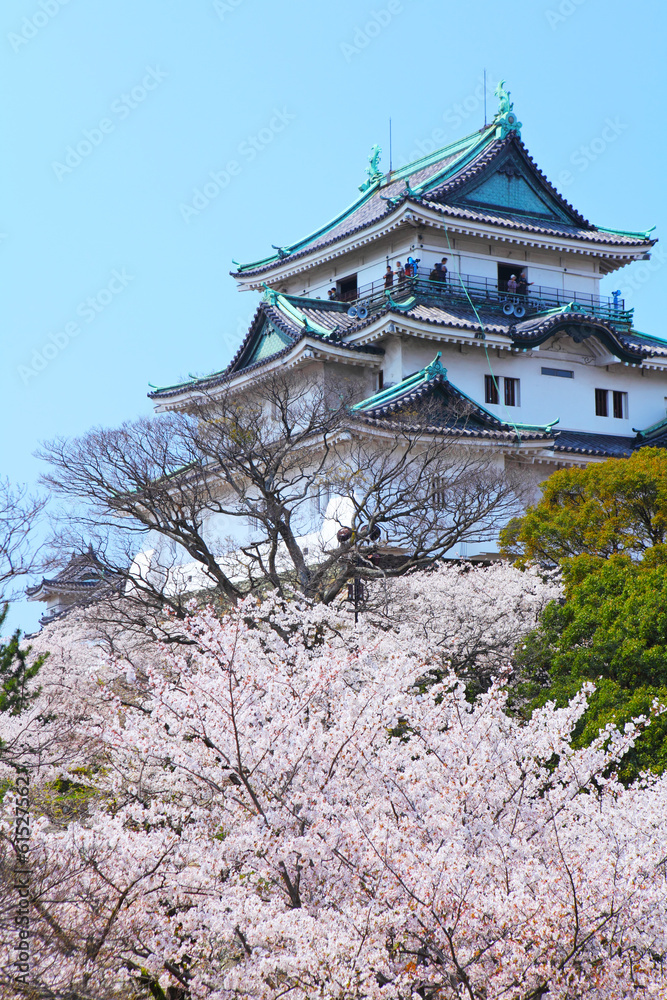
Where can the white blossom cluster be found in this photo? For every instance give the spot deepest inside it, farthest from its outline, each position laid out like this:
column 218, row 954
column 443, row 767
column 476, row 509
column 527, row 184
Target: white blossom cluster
column 275, row 810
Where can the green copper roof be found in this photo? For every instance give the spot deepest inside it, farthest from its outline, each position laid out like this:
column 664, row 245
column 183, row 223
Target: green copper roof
column 640, row 235
column 408, row 384
column 293, row 313
column 652, row 429
column 457, row 154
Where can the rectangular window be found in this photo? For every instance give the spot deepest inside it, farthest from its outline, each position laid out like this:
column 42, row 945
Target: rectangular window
column 601, row 403
column 620, row 404
column 511, row 391
column 559, row 372
column 321, row 499
column 380, row 380
column 490, row 389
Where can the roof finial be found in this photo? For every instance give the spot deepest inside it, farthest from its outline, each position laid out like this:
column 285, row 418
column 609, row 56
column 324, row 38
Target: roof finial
column 436, row 367
column 505, row 119
column 373, row 171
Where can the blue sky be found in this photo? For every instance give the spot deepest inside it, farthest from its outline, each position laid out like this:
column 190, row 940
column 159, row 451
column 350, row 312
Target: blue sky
column 111, row 279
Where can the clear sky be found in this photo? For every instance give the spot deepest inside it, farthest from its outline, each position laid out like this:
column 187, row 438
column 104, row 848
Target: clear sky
column 116, row 111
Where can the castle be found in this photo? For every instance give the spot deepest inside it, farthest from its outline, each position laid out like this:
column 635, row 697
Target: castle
column 496, row 301
column 465, row 277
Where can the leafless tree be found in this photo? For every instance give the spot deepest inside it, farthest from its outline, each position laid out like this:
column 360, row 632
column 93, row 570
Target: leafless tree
column 20, row 554
column 183, row 482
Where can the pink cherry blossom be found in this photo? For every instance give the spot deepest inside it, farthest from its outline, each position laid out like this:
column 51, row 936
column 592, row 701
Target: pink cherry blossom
column 277, row 810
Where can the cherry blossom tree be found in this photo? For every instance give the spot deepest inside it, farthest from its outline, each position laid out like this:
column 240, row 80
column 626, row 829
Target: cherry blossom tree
column 278, row 810
column 465, row 618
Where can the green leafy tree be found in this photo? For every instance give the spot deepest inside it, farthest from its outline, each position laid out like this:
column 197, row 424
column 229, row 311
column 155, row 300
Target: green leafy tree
column 16, row 673
column 618, row 506
column 611, row 630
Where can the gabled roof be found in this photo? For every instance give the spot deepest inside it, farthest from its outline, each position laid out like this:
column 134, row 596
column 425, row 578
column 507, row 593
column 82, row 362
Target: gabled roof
column 488, row 177
column 82, row 575
column 505, row 178
column 279, row 324
column 427, row 398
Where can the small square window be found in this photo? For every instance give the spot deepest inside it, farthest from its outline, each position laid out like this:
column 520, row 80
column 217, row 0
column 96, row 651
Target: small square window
column 490, row 389
column 620, row 404
column 601, row 403
column 511, row 386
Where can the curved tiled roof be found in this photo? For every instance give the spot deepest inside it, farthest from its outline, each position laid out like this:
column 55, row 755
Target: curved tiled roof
column 629, row 346
column 444, row 406
column 579, row 326
column 433, row 181
column 321, row 313
column 82, row 574
column 594, row 445
column 543, row 228
column 378, row 202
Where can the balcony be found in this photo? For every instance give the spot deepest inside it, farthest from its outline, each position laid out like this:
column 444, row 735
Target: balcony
column 461, row 289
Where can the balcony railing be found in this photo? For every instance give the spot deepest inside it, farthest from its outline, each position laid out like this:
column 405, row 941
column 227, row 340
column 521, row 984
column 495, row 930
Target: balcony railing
column 489, row 294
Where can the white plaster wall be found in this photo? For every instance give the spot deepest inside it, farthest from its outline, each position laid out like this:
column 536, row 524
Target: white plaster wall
column 465, row 254
column 544, row 398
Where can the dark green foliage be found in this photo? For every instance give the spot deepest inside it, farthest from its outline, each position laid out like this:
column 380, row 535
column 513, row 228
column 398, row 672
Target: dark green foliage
column 611, row 630
column 15, row 673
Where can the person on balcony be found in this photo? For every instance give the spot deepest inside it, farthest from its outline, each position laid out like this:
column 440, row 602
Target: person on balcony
column 443, row 269
column 388, row 277
column 512, row 284
column 399, row 277
column 522, row 284
column 436, row 274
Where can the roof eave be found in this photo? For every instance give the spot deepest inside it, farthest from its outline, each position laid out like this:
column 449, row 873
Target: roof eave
column 304, row 351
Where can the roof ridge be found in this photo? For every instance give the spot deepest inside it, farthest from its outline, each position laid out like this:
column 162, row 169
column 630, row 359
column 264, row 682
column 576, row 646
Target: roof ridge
column 488, row 133
column 383, row 181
